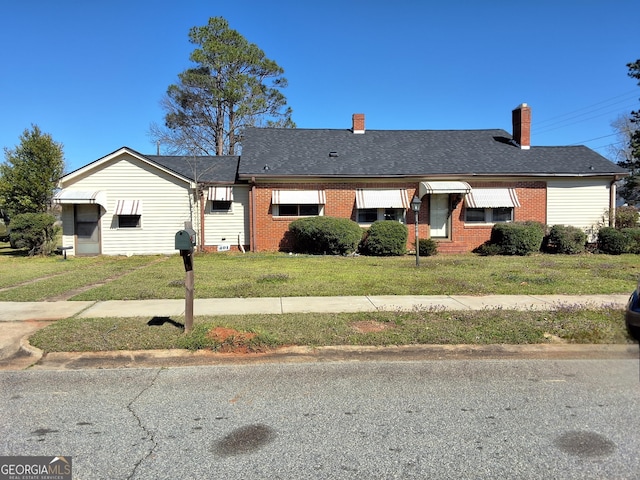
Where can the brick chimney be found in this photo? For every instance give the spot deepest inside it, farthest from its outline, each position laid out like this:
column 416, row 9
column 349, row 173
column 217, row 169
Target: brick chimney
column 521, row 119
column 358, row 123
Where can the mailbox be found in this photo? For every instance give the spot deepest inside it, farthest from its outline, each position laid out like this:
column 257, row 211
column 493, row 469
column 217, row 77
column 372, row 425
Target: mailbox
column 185, row 239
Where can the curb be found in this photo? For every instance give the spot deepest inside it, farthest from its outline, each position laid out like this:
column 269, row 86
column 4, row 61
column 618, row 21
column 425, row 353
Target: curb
column 404, row 353
column 30, row 350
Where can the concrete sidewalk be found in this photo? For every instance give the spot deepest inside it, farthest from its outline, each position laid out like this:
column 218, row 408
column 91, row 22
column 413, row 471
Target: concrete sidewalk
column 20, row 311
column 18, row 320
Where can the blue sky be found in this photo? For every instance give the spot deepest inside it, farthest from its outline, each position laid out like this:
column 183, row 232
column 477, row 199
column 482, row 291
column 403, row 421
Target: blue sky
column 92, row 73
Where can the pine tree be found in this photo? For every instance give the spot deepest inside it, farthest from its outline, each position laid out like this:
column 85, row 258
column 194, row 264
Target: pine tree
column 630, row 191
column 232, row 86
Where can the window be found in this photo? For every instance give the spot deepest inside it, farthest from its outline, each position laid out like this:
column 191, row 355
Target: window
column 220, row 206
column 490, row 205
column 304, row 210
column 367, row 215
column 488, row 215
column 298, row 203
column 502, row 214
column 128, row 221
column 381, row 204
column 370, row 215
column 221, row 198
column 129, row 213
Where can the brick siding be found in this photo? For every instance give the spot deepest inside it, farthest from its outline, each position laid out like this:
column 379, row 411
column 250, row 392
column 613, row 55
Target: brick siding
column 271, row 233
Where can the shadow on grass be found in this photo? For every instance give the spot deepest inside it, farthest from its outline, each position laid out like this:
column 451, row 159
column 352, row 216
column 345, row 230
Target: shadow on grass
column 13, row 252
column 159, row 321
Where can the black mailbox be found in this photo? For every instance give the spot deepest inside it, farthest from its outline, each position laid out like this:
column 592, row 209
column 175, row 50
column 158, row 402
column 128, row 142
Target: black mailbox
column 185, row 239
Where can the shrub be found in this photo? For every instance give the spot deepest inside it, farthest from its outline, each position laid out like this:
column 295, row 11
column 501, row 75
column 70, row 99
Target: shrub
column 612, row 241
column 488, row 249
column 519, row 238
column 565, row 239
column 34, row 231
column 633, row 237
column 427, row 247
column 386, row 238
column 626, row 217
column 325, row 235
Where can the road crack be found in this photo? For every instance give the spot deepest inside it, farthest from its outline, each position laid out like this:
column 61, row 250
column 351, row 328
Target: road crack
column 148, row 433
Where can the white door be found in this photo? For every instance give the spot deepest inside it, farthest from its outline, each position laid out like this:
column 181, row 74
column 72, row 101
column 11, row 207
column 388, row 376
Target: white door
column 439, row 215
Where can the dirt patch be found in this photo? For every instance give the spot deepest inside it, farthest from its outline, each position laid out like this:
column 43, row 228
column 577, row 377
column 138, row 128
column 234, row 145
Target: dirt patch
column 222, row 334
column 232, row 341
column 370, row 326
column 554, row 338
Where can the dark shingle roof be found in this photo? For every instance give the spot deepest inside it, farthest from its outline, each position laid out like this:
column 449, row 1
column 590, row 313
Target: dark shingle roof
column 388, row 153
column 209, row 169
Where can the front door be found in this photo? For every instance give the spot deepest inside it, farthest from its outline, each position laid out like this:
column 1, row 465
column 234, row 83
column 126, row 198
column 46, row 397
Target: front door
column 87, row 229
column 439, row 215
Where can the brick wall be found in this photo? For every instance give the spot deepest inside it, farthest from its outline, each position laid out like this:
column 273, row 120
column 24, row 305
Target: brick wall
column 271, row 233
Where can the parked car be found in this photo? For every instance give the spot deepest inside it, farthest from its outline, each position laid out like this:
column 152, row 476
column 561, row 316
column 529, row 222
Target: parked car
column 632, row 314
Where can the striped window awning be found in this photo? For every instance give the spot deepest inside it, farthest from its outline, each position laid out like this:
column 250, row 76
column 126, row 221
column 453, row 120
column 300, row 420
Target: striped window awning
column 492, row 198
column 87, row 197
column 443, row 187
column 298, row 197
column 221, row 194
column 129, row 207
column 382, row 198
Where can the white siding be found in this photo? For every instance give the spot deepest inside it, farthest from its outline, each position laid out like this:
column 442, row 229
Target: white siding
column 582, row 203
column 225, row 228
column 166, row 202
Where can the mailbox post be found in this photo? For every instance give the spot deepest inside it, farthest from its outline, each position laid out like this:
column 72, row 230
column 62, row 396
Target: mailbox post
column 185, row 241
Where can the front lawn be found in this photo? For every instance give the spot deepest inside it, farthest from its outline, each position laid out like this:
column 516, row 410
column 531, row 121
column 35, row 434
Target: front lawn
column 280, row 275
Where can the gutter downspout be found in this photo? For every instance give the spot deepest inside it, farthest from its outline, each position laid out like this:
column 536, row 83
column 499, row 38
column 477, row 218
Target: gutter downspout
column 202, row 205
column 252, row 226
column 612, row 203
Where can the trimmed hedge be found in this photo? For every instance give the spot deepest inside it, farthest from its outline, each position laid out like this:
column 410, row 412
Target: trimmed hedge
column 565, row 239
column 518, row 238
column 612, row 241
column 386, row 238
column 325, row 235
column 427, row 247
column 633, row 237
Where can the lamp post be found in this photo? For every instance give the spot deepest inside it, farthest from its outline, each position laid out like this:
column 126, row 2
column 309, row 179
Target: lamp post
column 415, row 206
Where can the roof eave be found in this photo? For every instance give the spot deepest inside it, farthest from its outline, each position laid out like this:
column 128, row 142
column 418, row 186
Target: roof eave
column 263, row 177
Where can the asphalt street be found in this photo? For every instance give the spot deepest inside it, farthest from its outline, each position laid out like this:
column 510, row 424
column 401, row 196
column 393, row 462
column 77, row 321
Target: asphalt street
column 534, row 419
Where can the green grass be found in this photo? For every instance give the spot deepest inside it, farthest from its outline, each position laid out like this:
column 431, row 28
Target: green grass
column 279, row 275
column 40, row 278
column 421, row 326
column 275, row 275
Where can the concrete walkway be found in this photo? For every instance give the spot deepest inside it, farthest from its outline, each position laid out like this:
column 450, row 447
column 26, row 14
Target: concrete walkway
column 20, row 311
column 18, row 320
